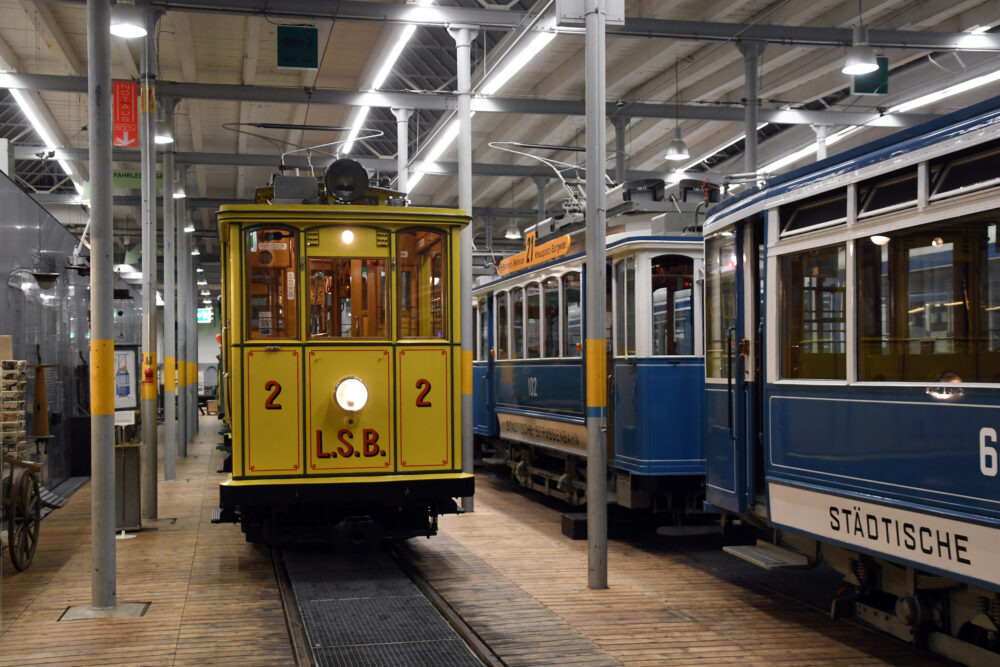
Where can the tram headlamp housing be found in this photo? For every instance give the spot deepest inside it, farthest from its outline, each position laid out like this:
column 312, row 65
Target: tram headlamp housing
column 351, row 394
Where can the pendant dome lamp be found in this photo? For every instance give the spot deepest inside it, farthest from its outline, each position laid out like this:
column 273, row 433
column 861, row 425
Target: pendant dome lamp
column 677, row 149
column 860, row 56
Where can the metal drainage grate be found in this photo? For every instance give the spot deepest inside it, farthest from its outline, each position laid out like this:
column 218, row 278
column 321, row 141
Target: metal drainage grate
column 361, row 609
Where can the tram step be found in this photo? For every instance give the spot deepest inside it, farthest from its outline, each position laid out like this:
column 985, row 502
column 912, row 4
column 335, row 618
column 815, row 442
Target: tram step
column 768, row 556
column 494, row 461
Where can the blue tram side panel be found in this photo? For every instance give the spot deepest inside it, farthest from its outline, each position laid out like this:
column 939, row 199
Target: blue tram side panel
column 853, row 375
column 529, row 374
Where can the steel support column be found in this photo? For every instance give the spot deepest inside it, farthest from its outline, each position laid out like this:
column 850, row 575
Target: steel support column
column 169, row 306
column 148, row 381
column 821, row 132
column 191, row 334
column 751, row 54
column 621, row 125
column 596, row 346
column 463, row 36
column 102, row 338
column 402, row 147
column 541, row 184
column 183, row 252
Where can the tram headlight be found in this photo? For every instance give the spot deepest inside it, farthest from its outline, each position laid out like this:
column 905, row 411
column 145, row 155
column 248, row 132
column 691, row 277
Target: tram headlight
column 351, row 394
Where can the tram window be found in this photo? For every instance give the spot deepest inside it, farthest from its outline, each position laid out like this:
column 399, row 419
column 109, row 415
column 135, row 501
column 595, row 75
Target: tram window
column 720, row 301
column 502, row 347
column 572, row 316
column 422, row 263
column 272, row 263
column 821, row 210
column 673, row 323
column 517, row 323
column 550, row 308
column 475, row 331
column 625, row 307
column 347, row 298
column 929, row 303
column 533, row 322
column 484, row 330
column 967, row 168
column 812, row 314
column 889, row 190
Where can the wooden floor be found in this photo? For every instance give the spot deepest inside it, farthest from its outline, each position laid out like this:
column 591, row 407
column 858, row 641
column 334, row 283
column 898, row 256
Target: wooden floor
column 506, row 569
column 661, row 607
column 214, row 599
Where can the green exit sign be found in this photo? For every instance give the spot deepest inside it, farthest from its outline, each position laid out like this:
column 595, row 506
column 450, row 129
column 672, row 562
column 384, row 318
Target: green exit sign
column 298, row 47
column 873, row 83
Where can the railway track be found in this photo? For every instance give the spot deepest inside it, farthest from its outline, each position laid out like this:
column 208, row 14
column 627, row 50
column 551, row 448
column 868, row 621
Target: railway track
column 369, row 608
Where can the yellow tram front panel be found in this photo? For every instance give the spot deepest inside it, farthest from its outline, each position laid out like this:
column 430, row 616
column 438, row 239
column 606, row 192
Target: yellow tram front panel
column 271, row 391
column 426, row 405
column 341, row 441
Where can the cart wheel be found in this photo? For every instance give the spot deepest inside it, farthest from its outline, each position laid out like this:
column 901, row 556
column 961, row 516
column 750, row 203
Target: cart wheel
column 24, row 517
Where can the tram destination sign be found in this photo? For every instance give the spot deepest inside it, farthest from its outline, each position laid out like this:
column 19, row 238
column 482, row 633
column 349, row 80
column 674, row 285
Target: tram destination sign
column 964, row 549
column 534, row 254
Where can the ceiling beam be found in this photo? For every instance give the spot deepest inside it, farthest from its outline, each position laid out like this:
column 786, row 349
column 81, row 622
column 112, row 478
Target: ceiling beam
column 385, row 165
column 633, row 27
column 446, row 101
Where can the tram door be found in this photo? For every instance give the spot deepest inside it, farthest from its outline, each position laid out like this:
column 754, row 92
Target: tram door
column 732, row 364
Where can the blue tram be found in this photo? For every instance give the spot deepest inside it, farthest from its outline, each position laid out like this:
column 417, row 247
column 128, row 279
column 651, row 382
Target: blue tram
column 852, row 369
column 529, row 369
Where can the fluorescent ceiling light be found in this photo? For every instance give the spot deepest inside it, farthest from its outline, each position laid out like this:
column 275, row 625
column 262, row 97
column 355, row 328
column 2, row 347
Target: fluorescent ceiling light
column 947, row 92
column 381, row 76
column 517, row 62
column 491, row 87
column 42, row 130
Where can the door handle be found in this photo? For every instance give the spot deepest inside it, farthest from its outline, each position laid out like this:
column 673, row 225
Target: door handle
column 272, row 348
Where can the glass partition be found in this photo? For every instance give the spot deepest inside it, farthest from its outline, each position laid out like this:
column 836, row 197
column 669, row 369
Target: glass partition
column 502, row 347
column 672, row 322
column 422, row 268
column 272, row 263
column 347, row 298
column 533, row 322
column 812, row 314
column 572, row 316
column 550, row 307
column 517, row 323
column 720, row 301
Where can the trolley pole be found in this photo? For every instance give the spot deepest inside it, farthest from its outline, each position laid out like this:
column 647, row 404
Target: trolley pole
column 182, row 297
column 169, row 306
column 402, row 148
column 102, row 343
column 751, row 55
column 148, row 382
column 596, row 345
column 463, row 36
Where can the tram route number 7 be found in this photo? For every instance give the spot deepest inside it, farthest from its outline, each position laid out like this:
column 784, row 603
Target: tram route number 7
column 988, row 453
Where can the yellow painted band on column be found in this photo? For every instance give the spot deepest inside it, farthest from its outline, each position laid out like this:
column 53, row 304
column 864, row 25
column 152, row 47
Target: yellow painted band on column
column 466, row 372
column 169, row 383
column 147, row 99
column 181, row 374
column 102, row 377
column 597, row 386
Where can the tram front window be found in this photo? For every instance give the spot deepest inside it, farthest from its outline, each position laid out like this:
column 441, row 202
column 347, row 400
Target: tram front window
column 272, row 261
column 929, row 303
column 347, row 298
column 720, row 301
column 421, row 261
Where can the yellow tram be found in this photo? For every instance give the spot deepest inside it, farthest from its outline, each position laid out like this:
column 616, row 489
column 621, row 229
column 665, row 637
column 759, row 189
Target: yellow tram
column 341, row 346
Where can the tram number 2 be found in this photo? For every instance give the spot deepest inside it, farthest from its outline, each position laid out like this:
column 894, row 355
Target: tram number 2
column 425, row 388
column 987, row 451
column 275, row 389
column 368, row 447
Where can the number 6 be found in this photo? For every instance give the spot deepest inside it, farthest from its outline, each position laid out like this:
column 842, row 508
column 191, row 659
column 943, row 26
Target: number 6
column 987, row 454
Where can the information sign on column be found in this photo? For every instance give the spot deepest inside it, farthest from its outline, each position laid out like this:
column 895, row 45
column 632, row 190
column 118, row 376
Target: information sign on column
column 126, row 121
